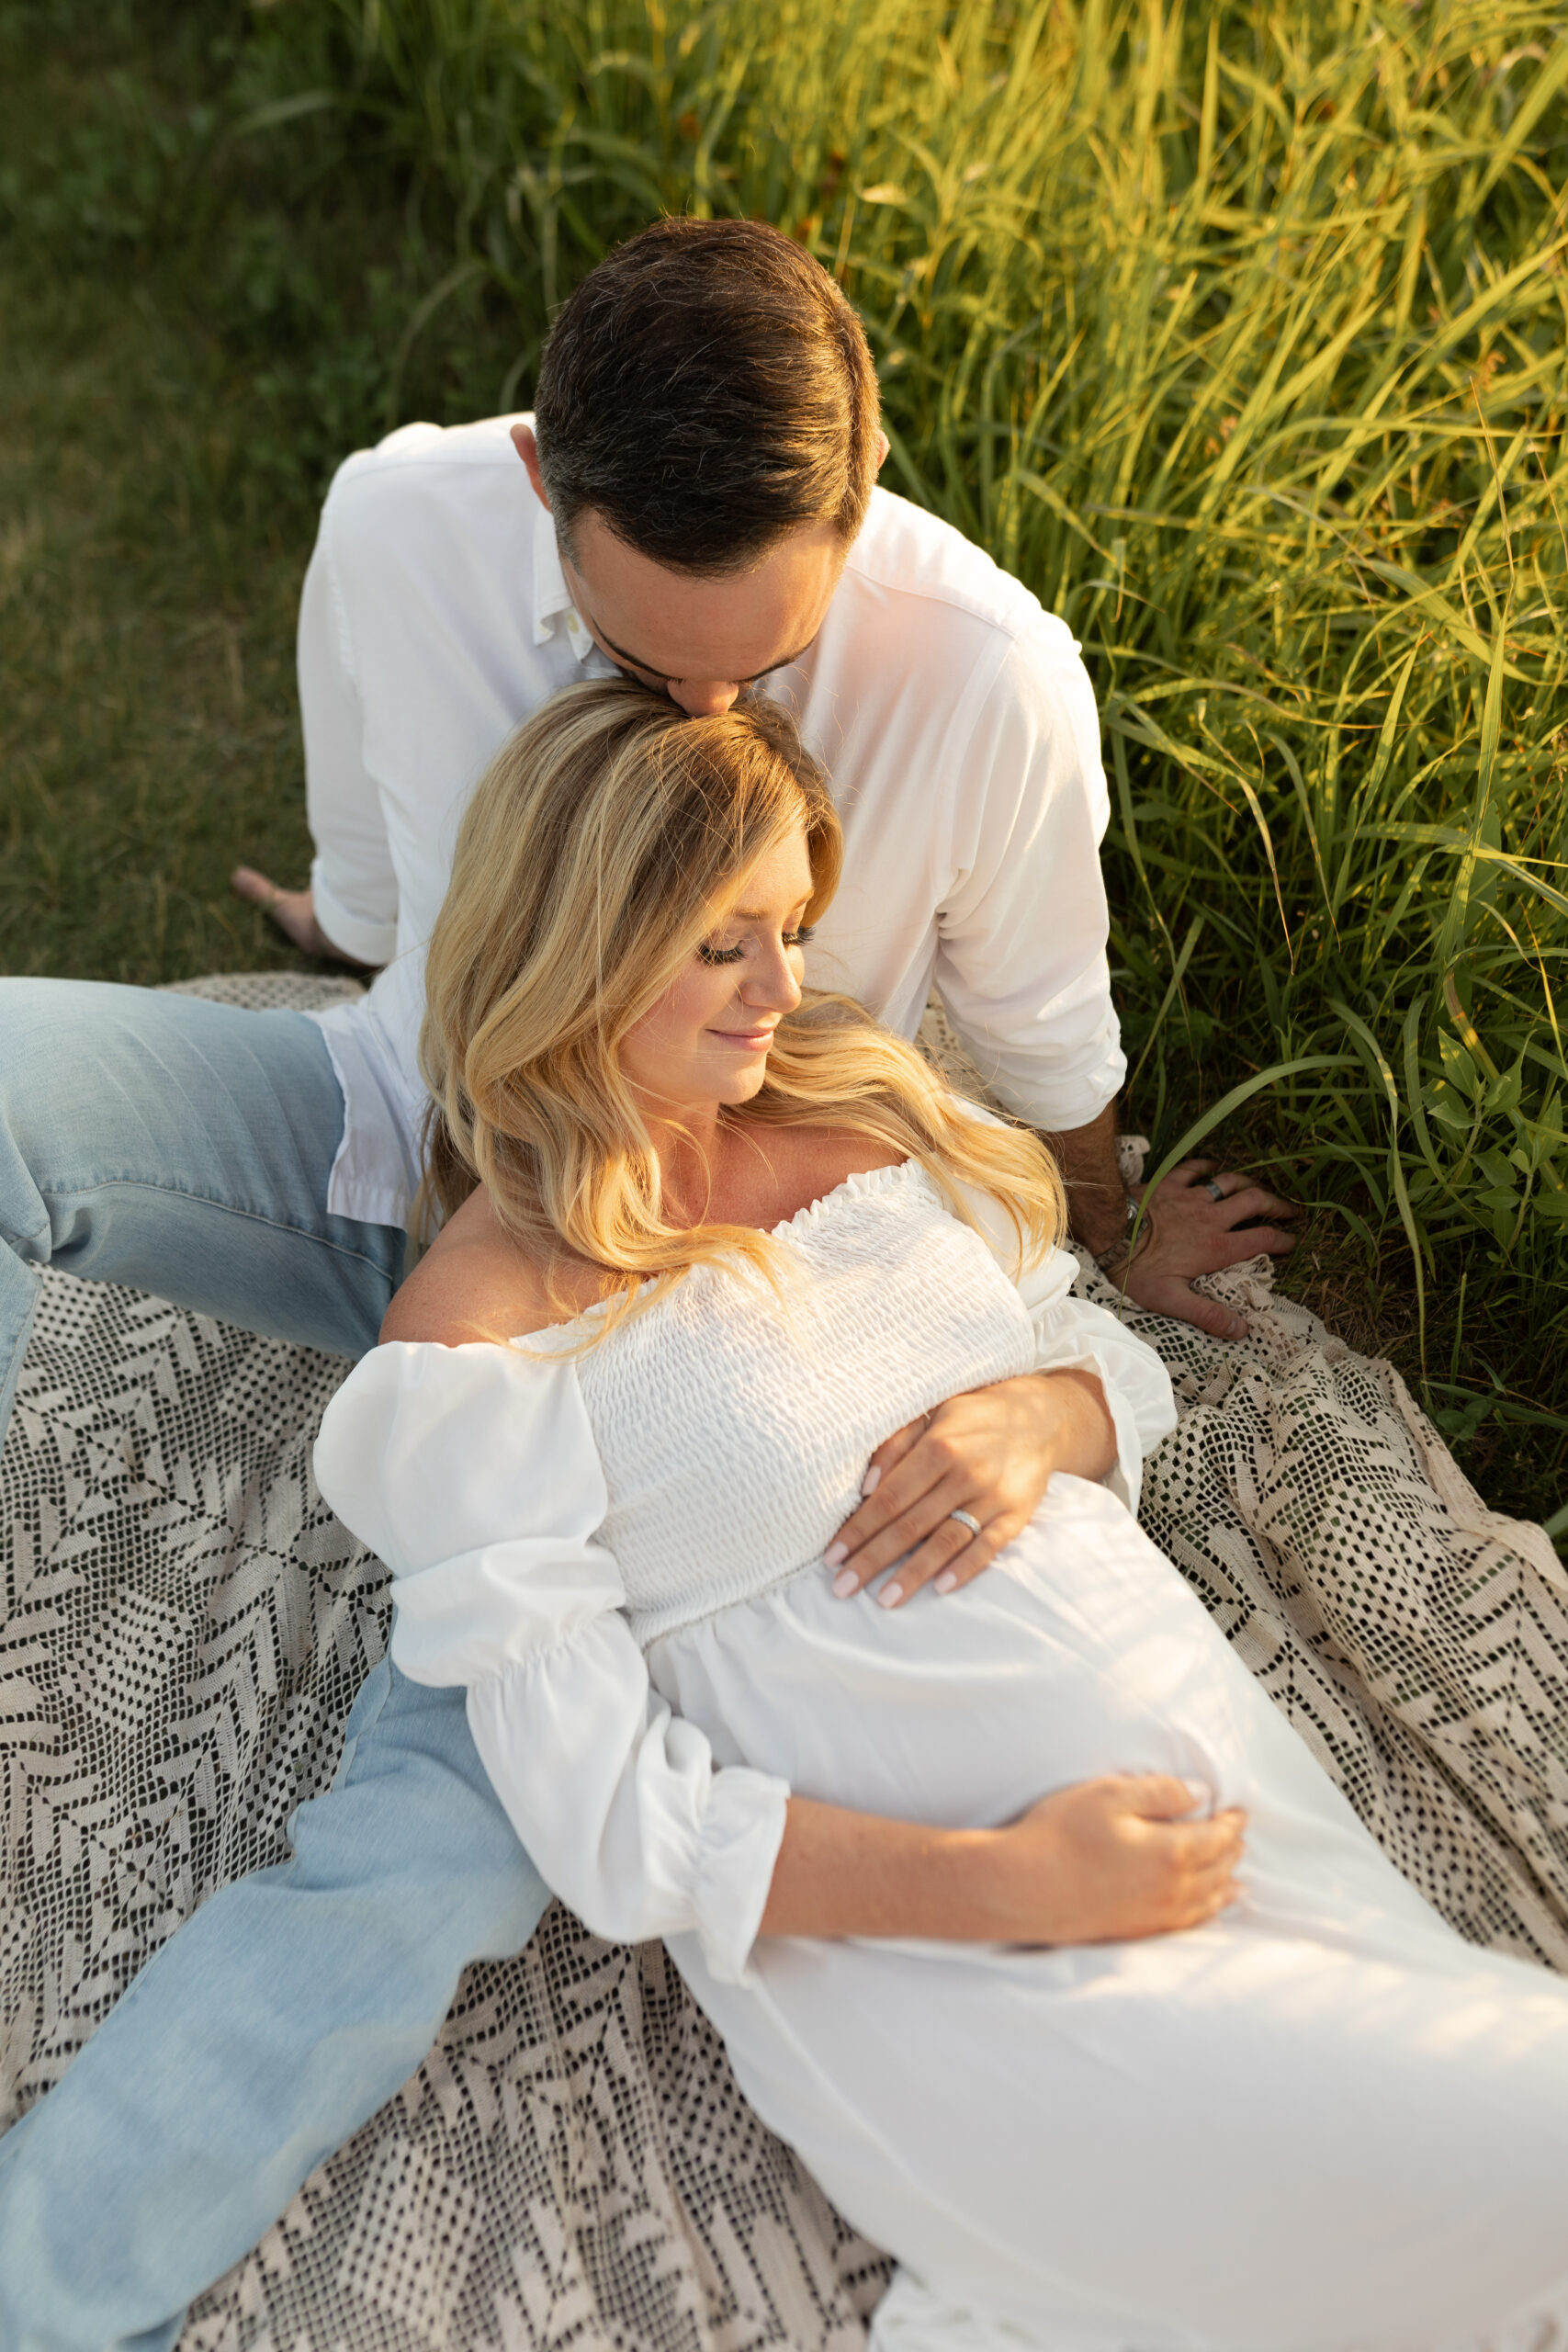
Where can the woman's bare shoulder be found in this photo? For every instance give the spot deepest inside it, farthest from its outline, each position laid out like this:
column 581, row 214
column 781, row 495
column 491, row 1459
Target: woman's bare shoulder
column 473, row 1282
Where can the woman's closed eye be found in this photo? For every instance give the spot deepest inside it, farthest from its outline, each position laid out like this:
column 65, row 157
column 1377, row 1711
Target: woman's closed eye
column 733, row 954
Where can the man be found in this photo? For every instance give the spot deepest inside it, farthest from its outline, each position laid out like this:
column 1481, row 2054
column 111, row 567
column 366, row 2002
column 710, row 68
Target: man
column 694, row 505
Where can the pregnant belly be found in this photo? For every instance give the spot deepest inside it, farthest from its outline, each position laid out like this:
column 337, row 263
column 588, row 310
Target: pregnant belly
column 1079, row 1652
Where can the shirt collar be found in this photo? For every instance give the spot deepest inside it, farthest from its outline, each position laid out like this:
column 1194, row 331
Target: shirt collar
column 552, row 597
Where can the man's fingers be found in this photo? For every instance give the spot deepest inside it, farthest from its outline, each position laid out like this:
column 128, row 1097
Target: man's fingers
column 1188, row 1172
column 1251, row 1200
column 1221, row 1322
column 1239, row 1247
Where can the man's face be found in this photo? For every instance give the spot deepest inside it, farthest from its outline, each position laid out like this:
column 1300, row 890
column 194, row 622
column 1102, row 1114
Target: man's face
column 700, row 641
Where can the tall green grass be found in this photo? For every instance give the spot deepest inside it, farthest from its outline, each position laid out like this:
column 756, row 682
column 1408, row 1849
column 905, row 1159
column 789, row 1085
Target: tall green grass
column 1240, row 338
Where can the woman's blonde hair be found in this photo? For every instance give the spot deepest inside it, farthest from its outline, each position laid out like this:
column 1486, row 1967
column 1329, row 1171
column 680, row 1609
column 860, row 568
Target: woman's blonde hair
column 600, row 851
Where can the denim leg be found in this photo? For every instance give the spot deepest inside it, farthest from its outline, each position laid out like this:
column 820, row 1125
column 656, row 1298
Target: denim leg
column 264, row 2033
column 184, row 1147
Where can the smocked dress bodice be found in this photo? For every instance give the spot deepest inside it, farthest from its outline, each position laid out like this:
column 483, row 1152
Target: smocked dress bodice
column 556, row 1510
column 733, row 1425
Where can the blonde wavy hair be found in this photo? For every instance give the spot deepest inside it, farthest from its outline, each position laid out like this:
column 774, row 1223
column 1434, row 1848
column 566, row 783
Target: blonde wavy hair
column 603, row 847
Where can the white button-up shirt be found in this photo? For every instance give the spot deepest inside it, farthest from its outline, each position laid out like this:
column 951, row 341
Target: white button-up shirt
column 953, row 714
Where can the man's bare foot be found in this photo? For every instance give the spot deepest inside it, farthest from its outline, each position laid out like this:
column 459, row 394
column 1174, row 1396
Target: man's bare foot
column 294, row 913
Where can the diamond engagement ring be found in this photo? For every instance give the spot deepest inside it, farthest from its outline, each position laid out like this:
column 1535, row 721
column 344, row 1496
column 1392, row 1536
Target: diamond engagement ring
column 966, row 1519
column 1216, row 1192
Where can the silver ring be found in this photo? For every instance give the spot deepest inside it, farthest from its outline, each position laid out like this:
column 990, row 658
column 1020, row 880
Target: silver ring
column 1216, row 1192
column 966, row 1519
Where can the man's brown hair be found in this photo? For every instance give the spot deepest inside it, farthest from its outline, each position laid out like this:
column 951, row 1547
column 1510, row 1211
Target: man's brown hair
column 707, row 388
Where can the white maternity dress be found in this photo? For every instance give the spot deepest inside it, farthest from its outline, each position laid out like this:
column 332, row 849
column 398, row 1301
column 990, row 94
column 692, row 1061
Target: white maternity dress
column 1322, row 2121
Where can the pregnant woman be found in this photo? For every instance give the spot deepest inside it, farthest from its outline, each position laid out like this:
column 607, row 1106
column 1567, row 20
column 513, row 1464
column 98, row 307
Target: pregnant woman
column 706, row 1243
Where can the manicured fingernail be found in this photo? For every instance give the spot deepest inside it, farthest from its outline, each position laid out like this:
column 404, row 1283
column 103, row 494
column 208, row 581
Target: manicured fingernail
column 947, row 1581
column 834, row 1554
column 890, row 1596
column 873, row 1479
column 845, row 1584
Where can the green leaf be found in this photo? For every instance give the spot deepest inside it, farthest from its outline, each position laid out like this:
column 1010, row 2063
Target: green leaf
column 1458, row 1067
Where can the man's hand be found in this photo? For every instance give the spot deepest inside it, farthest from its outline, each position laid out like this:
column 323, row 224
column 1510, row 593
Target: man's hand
column 990, row 1454
column 1190, row 1225
column 294, row 913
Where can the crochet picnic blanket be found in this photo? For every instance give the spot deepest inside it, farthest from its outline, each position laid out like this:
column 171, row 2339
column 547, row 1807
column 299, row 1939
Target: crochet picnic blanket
column 185, row 1625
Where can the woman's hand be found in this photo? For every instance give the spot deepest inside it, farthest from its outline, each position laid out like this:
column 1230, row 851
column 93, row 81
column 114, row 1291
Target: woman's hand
column 1106, row 1862
column 1114, row 1859
column 989, row 1454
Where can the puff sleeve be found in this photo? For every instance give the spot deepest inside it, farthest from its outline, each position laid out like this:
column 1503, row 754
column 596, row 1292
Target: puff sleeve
column 1074, row 1334
column 472, row 1471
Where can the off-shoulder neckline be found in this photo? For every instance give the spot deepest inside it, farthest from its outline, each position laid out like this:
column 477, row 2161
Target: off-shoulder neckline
column 858, row 1186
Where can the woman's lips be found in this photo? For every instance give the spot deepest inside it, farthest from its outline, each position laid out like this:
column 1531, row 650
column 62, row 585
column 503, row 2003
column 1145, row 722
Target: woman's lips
column 755, row 1041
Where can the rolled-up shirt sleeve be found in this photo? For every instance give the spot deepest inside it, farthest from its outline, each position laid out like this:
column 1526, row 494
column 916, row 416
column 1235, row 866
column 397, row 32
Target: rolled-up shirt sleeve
column 1022, row 964
column 473, row 1474
column 352, row 877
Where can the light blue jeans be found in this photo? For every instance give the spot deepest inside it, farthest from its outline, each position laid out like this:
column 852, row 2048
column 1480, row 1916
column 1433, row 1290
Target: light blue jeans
column 184, row 1147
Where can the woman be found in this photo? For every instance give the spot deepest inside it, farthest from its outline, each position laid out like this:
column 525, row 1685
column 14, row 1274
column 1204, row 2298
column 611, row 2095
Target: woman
column 707, row 1243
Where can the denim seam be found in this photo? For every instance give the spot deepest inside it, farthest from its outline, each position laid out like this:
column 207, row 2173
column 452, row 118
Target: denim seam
column 225, row 1208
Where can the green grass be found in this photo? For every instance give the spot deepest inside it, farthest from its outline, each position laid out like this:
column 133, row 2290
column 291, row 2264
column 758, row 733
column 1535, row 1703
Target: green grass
column 1238, row 336
column 148, row 732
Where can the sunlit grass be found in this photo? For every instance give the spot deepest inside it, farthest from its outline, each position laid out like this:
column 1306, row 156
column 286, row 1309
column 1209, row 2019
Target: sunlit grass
column 1240, row 339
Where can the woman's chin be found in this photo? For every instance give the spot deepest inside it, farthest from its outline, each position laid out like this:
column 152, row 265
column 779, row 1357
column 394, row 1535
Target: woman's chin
column 745, row 1083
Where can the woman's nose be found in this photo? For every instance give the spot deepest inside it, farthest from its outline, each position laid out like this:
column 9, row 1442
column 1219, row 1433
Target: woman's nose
column 770, row 983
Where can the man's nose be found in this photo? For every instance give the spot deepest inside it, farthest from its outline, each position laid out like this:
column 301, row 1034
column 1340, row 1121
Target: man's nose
column 703, row 698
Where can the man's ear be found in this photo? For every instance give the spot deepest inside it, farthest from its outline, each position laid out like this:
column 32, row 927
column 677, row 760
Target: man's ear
column 882, row 447
column 527, row 448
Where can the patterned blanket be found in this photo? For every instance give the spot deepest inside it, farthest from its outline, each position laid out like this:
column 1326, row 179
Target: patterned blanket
column 185, row 1625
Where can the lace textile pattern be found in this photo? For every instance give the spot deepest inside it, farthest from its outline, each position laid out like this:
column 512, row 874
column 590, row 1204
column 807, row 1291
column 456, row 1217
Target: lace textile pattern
column 184, row 1628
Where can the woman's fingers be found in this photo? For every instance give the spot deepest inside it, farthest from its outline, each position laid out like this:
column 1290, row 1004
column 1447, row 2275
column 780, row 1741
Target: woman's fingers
column 977, row 1554
column 902, row 1506
column 1160, row 1796
column 1120, row 1858
column 921, row 1537
column 890, row 1452
column 952, row 1557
